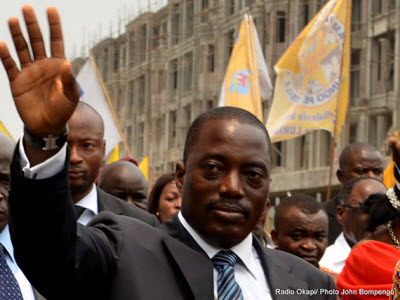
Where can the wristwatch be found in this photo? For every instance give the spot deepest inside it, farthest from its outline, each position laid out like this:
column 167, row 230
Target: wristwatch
column 50, row 142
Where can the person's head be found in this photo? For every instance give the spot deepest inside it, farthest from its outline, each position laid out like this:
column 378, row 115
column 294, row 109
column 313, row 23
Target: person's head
column 225, row 175
column 360, row 159
column 6, row 151
column 124, row 180
column 301, row 228
column 87, row 146
column 165, row 198
column 353, row 193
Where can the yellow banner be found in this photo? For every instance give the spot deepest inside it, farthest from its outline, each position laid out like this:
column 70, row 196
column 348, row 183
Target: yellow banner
column 5, row 131
column 312, row 86
column 144, row 167
column 245, row 72
column 114, row 156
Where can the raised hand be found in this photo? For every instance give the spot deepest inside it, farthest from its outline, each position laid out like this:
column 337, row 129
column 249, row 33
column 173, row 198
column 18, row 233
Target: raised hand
column 45, row 91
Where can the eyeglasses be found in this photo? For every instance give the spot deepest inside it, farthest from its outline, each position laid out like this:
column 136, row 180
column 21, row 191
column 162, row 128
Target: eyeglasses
column 352, row 207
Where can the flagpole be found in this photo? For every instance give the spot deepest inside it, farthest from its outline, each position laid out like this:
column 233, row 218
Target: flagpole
column 115, row 117
column 333, row 140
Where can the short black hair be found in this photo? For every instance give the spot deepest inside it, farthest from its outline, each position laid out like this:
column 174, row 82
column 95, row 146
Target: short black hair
column 226, row 113
column 345, row 154
column 348, row 186
column 305, row 203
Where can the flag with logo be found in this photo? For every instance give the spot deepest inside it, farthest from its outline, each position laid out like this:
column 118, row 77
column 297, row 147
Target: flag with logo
column 92, row 92
column 312, row 86
column 246, row 80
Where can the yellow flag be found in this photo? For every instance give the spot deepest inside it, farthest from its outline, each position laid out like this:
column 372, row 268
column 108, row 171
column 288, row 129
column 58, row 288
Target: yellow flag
column 312, row 86
column 5, row 131
column 246, row 73
column 144, row 167
column 388, row 175
column 114, row 155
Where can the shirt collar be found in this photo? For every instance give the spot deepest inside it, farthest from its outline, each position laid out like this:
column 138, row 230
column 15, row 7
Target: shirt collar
column 5, row 239
column 244, row 250
column 90, row 201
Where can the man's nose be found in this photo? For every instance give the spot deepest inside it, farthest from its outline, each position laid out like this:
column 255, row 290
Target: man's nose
column 309, row 244
column 232, row 185
column 75, row 155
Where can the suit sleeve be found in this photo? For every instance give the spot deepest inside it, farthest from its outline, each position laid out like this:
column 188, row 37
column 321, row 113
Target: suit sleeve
column 62, row 260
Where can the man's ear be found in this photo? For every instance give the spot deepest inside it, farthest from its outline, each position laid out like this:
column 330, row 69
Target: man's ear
column 340, row 176
column 104, row 149
column 180, row 172
column 274, row 237
column 340, row 214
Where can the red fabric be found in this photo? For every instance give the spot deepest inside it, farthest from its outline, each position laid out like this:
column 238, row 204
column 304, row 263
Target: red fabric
column 369, row 267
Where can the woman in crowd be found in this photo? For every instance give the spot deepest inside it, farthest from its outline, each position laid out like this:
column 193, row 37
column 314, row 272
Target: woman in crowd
column 368, row 273
column 165, row 199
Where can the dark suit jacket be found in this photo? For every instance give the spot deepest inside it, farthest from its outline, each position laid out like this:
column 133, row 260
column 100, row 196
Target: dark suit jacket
column 117, row 257
column 107, row 202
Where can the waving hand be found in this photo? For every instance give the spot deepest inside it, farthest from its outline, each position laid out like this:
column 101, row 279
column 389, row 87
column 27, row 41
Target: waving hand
column 44, row 90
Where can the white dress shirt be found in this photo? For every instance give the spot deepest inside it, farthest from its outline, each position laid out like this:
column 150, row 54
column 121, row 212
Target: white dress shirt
column 24, row 285
column 249, row 273
column 336, row 254
column 52, row 166
column 90, row 203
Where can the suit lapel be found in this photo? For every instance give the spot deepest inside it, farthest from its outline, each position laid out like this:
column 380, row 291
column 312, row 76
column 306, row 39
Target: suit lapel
column 195, row 266
column 279, row 276
column 37, row 295
column 106, row 204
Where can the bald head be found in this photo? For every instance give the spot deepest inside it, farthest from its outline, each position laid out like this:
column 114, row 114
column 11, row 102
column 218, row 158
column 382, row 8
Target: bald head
column 86, row 112
column 124, row 180
column 360, row 159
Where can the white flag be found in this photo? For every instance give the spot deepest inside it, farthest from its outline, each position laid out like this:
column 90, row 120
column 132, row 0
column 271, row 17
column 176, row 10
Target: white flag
column 92, row 94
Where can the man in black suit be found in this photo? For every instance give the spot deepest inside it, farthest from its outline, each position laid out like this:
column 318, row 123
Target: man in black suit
column 22, row 286
column 224, row 179
column 87, row 146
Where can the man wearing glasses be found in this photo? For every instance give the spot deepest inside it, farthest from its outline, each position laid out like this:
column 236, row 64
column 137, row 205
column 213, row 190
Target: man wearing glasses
column 354, row 222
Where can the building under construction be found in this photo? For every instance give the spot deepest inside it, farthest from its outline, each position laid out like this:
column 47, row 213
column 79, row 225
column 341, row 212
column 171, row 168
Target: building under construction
column 169, row 65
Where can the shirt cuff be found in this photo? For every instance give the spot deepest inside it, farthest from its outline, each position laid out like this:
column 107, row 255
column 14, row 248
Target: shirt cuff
column 46, row 169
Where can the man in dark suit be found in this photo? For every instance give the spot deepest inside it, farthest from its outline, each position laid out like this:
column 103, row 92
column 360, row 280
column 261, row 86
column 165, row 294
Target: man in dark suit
column 224, row 179
column 21, row 287
column 87, row 146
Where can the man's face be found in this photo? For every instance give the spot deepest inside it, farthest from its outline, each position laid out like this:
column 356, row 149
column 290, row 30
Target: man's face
column 362, row 162
column 127, row 186
column 225, row 181
column 4, row 186
column 85, row 140
column 355, row 223
column 303, row 235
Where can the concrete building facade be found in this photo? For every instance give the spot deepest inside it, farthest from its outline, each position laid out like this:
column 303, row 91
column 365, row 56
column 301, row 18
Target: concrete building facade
column 169, row 65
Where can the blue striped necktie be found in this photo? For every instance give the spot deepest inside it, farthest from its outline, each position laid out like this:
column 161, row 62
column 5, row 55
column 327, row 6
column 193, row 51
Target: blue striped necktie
column 228, row 288
column 9, row 288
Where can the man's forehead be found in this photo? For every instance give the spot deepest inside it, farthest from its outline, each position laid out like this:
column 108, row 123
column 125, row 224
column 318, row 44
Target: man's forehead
column 366, row 187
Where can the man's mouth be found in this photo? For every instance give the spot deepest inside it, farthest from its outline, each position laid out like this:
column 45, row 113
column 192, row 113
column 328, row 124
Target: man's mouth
column 74, row 174
column 228, row 212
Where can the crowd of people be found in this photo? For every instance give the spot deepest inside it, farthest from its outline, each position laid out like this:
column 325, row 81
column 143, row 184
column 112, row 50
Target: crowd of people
column 72, row 229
